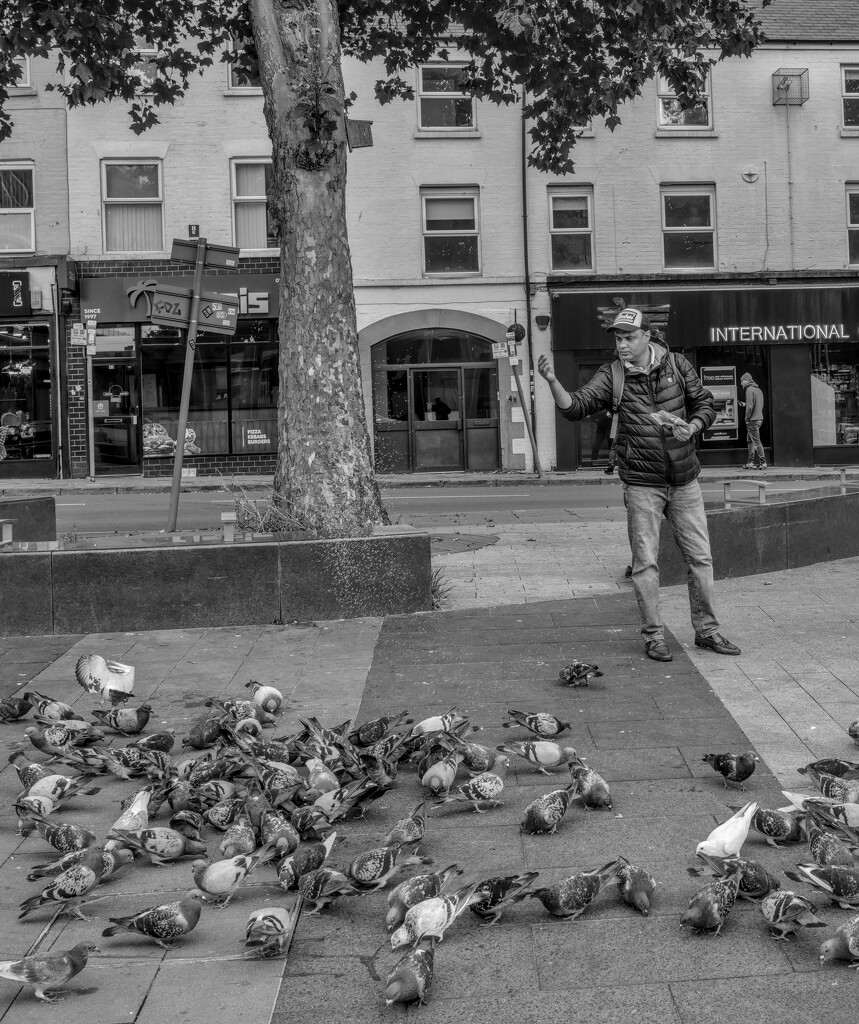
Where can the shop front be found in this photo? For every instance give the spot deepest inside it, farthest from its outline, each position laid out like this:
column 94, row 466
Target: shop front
column 28, row 434
column 137, row 371
column 799, row 342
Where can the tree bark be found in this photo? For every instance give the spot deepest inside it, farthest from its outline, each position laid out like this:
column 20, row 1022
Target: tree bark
column 324, row 473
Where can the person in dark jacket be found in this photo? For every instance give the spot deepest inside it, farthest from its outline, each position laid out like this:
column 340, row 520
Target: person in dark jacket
column 659, row 468
column 754, row 404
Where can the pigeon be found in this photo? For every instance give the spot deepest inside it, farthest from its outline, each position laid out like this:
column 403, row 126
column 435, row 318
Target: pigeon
column 164, row 923
column 221, row 879
column 136, row 815
column 240, row 838
column 28, row 771
column 841, row 884
column 65, row 837
column 369, row 733
column 726, row 840
column 439, row 777
column 825, row 847
column 475, row 756
column 237, row 709
column 777, row 826
column 113, row 859
column 544, row 753
column 68, row 889
column 320, row 888
column 485, row 788
column 306, row 858
column 853, row 731
column 373, row 869
column 13, row 708
column 635, row 886
column 831, row 786
column 163, row 845
column 734, row 768
column 49, row 709
column 414, row 890
column 755, row 881
column 320, row 776
column 31, row 809
column 163, row 741
column 841, row 818
column 409, row 831
column 61, row 788
column 709, row 907
column 269, row 698
column 410, row 980
column 267, row 933
column 436, row 723
column 110, row 680
column 784, row 912
column 844, row 945
column 189, row 823
column 203, row 734
column 431, row 918
column 46, row 973
column 501, row 891
column 831, row 766
column 578, row 673
column 591, row 787
column 572, row 896
column 274, row 828
column 541, row 723
column 55, row 740
column 128, row 721
column 310, row 822
column 543, row 815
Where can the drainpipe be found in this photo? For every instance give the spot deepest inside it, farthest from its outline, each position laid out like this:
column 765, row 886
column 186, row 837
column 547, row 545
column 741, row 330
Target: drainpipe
column 58, row 377
column 784, row 86
column 529, row 341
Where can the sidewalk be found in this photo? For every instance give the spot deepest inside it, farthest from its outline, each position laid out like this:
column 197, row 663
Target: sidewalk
column 139, row 484
column 531, row 598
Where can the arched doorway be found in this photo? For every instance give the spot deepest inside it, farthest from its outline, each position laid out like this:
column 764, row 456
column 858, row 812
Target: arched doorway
column 435, row 402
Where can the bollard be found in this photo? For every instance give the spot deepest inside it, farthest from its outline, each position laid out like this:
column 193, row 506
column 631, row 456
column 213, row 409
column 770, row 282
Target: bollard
column 229, row 521
column 6, row 531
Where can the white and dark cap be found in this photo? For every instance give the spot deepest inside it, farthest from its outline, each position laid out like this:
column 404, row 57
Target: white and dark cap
column 630, row 319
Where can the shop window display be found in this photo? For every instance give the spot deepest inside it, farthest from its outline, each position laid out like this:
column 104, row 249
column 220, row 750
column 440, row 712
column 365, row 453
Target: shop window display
column 25, row 392
column 835, row 394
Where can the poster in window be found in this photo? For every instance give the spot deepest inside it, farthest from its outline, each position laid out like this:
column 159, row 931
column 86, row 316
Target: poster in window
column 721, row 382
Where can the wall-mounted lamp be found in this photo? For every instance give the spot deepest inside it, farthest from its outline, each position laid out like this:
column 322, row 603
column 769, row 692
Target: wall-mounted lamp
column 542, row 321
column 67, row 297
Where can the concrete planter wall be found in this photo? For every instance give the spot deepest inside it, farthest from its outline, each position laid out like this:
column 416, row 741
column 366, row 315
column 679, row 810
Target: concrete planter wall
column 33, row 519
column 186, row 585
column 769, row 538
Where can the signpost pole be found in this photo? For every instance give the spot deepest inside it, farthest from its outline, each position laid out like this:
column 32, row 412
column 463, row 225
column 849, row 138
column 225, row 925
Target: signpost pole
column 190, row 347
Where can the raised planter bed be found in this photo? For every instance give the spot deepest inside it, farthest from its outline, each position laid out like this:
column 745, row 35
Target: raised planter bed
column 768, row 538
column 128, row 584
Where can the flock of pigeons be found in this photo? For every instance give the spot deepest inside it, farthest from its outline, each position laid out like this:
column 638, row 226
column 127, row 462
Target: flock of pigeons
column 279, row 801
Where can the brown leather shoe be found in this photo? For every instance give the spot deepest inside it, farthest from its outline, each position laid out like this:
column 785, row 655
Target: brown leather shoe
column 657, row 650
column 716, row 642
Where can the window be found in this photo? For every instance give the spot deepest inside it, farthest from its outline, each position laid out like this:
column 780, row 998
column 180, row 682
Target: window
column 850, row 97
column 25, row 392
column 450, row 230
column 236, row 82
column 570, row 230
column 672, row 115
column 144, row 66
column 441, row 103
column 253, row 227
column 17, row 220
column 24, row 81
column 834, row 394
column 132, row 207
column 853, row 226
column 688, row 232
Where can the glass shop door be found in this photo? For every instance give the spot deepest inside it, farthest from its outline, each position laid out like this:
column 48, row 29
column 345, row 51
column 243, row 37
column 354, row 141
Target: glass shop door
column 116, row 415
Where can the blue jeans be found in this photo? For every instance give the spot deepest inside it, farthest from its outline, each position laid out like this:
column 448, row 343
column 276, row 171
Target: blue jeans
column 683, row 507
column 753, row 438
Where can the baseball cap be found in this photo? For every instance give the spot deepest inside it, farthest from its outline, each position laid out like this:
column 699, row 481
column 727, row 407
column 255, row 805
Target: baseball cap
column 630, row 319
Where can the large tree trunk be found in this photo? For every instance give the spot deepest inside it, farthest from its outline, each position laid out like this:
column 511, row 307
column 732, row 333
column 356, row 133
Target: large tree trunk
column 324, row 471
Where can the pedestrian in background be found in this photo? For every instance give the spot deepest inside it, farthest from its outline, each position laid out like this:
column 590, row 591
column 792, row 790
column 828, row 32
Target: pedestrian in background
column 754, row 405
column 659, row 468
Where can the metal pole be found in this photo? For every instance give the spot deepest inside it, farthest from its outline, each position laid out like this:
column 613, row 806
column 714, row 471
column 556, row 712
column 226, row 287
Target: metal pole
column 527, row 419
column 186, row 385
column 90, row 427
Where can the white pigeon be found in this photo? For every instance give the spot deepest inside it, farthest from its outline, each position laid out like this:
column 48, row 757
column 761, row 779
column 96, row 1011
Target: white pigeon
column 111, row 680
column 726, row 840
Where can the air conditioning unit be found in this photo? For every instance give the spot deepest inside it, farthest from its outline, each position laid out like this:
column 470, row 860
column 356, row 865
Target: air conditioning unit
column 790, row 87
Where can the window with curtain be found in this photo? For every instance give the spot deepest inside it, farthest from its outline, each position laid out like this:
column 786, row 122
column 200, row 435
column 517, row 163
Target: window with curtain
column 132, row 203
column 17, row 209
column 451, row 231
column 253, row 227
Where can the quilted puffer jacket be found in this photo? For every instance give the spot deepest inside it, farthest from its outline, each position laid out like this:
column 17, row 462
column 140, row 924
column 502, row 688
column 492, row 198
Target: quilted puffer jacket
column 649, row 455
